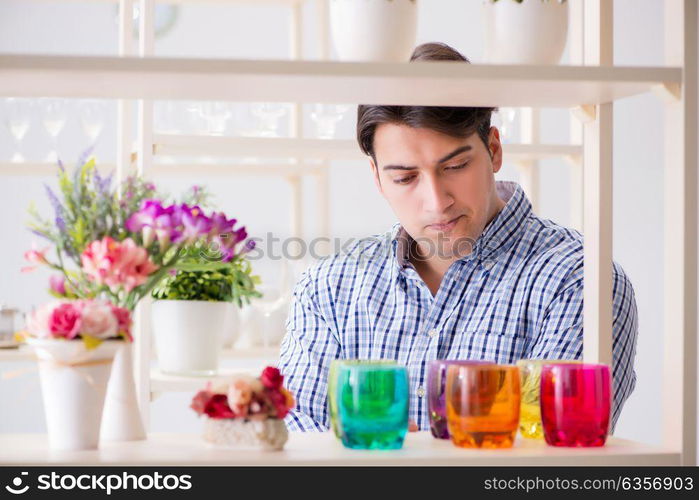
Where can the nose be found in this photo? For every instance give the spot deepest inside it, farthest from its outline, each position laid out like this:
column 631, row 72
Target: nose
column 436, row 195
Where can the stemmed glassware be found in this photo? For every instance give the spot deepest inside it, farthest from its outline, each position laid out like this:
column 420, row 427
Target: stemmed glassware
column 17, row 120
column 54, row 117
column 326, row 117
column 268, row 115
column 92, row 115
column 505, row 120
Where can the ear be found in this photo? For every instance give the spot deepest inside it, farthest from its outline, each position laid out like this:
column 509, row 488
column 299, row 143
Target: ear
column 375, row 171
column 495, row 149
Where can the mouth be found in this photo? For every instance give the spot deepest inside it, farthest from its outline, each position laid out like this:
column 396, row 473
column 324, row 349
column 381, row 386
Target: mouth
column 445, row 226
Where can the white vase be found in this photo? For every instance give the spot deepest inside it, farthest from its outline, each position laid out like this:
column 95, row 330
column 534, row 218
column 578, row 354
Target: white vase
column 238, row 433
column 73, row 386
column 531, row 32
column 373, row 30
column 121, row 420
column 263, row 321
column 189, row 335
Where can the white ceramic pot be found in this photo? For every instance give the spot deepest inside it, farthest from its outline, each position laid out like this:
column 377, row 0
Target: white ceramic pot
column 238, row 433
column 73, row 387
column 531, row 32
column 373, row 30
column 189, row 335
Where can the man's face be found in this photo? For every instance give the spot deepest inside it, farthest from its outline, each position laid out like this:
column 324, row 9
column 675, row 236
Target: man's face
column 441, row 188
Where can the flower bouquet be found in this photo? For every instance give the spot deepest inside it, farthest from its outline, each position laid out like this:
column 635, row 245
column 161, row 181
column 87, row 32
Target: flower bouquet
column 112, row 243
column 246, row 412
column 74, row 375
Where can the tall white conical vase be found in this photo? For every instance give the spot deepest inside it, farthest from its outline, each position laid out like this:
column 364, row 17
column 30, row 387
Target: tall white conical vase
column 121, row 420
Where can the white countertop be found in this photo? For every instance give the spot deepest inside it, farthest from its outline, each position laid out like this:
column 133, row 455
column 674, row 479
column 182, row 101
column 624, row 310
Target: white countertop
column 420, row 448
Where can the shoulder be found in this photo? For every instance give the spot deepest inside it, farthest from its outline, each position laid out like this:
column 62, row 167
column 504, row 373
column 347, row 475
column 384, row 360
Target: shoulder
column 353, row 260
column 558, row 252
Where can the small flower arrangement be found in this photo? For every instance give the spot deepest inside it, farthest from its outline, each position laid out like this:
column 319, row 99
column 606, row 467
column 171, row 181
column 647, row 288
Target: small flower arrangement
column 91, row 321
column 246, row 411
column 246, row 397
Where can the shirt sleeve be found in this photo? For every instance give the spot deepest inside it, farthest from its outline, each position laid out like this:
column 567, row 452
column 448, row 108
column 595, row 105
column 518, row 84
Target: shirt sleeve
column 561, row 334
column 306, row 352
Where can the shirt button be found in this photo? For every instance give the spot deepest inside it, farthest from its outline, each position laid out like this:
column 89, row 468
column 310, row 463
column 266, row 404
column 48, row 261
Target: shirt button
column 488, row 265
column 420, row 392
column 433, row 333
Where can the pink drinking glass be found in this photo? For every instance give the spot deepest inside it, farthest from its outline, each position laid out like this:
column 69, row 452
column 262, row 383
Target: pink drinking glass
column 575, row 404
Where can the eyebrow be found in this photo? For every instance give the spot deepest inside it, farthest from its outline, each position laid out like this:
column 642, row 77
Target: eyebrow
column 448, row 157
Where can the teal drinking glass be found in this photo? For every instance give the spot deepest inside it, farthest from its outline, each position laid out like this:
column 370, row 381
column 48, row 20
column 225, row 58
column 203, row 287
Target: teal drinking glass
column 332, row 388
column 372, row 405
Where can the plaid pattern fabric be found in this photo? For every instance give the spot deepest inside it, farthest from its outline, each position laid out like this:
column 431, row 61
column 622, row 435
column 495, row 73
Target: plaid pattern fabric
column 518, row 294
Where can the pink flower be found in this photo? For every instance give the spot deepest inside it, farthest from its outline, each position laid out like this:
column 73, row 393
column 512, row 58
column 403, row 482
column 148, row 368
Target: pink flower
column 241, row 391
column 36, row 257
column 98, row 320
column 38, row 321
column 65, row 320
column 123, row 317
column 117, row 264
column 57, row 284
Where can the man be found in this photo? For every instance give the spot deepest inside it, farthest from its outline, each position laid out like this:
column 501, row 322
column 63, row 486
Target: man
column 469, row 272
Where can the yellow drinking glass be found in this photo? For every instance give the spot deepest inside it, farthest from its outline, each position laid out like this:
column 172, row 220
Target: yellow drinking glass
column 530, row 411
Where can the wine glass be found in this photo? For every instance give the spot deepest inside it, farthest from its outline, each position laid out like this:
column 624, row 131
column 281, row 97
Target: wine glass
column 54, row 119
column 326, row 117
column 92, row 113
column 17, row 120
column 215, row 115
column 507, row 122
column 267, row 115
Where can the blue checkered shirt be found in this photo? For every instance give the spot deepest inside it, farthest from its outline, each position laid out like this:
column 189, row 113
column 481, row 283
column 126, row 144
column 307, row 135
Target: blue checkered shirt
column 518, row 294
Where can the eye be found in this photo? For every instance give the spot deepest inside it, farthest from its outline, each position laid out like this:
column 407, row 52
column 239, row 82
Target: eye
column 457, row 167
column 403, row 180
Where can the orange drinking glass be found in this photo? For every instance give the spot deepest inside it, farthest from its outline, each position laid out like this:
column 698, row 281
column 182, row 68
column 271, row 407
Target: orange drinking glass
column 483, row 405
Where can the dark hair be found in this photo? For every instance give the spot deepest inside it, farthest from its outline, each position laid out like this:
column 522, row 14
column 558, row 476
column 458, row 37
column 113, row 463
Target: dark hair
column 450, row 120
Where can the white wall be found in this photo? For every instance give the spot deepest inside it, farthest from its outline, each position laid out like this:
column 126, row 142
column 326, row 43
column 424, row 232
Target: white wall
column 262, row 32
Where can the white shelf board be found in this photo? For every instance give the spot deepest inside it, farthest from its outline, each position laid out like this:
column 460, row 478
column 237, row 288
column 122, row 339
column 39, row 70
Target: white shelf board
column 416, row 83
column 162, row 382
column 195, row 2
column 172, row 169
column 323, row 449
column 331, row 149
column 20, row 353
column 25, row 353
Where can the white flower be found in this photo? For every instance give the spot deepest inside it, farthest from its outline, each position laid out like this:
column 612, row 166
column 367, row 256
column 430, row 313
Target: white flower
column 99, row 321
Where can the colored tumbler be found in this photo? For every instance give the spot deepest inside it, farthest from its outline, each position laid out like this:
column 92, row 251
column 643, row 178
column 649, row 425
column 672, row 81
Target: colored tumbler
column 372, row 405
column 436, row 385
column 530, row 412
column 575, row 404
column 483, row 405
column 332, row 388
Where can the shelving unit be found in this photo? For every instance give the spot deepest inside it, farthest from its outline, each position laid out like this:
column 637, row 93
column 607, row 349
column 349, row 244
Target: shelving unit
column 588, row 88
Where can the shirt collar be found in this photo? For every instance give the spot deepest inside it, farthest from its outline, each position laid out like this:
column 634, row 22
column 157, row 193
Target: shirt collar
column 500, row 233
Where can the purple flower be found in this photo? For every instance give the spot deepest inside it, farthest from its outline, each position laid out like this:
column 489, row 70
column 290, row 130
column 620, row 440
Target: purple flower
column 229, row 241
column 155, row 222
column 220, row 224
column 195, row 223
